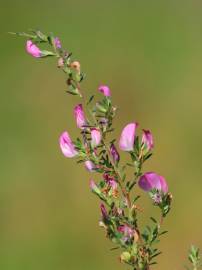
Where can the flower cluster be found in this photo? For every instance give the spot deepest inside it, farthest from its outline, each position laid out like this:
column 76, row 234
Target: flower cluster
column 118, row 194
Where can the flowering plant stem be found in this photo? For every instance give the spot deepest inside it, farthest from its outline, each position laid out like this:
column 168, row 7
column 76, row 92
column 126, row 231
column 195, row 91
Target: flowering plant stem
column 119, row 210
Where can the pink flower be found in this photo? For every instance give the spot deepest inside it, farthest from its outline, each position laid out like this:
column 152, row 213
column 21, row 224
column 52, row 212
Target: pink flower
column 33, row 49
column 127, row 139
column 57, row 43
column 79, row 115
column 127, row 232
column 113, row 184
column 105, row 90
column 147, row 140
column 93, row 186
column 95, row 137
column 89, row 165
column 110, row 181
column 114, row 153
column 67, row 146
column 151, row 180
column 103, row 211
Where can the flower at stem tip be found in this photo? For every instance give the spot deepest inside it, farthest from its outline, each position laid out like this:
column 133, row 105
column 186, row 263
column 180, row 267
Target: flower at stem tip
column 105, row 90
column 33, row 49
column 66, row 145
column 127, row 139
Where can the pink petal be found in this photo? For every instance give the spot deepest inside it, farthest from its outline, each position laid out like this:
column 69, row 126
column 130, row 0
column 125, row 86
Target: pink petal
column 126, row 142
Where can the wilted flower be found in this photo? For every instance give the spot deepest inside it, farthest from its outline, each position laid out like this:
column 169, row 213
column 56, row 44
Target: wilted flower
column 76, row 65
column 107, row 177
column 105, row 90
column 79, row 115
column 89, row 165
column 60, row 62
column 95, row 137
column 120, row 211
column 33, row 49
column 57, row 43
column 127, row 139
column 67, row 146
column 104, row 121
column 151, row 181
column 147, row 140
column 114, row 153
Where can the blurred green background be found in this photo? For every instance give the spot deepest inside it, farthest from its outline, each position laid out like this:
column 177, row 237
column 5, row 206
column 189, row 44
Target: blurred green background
column 150, row 53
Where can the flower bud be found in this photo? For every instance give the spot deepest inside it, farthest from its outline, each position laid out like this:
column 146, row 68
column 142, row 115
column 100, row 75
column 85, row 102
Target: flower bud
column 33, row 49
column 105, row 90
column 147, row 140
column 103, row 211
column 94, row 188
column 76, row 65
column 89, row 165
column 79, row 115
column 114, row 153
column 67, row 146
column 95, row 137
column 125, row 256
column 57, row 43
column 127, row 139
column 152, row 181
column 60, row 62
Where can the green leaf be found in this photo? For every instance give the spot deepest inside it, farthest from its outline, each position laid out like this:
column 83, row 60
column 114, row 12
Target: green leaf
column 90, row 99
column 47, row 53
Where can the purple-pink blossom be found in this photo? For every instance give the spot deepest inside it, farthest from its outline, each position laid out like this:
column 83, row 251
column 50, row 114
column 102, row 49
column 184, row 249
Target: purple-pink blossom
column 93, row 185
column 90, row 166
column 105, row 90
column 110, row 181
column 33, row 49
column 95, row 137
column 113, row 184
column 127, row 232
column 147, row 140
column 103, row 211
column 79, row 116
column 66, row 145
column 57, row 43
column 114, row 153
column 150, row 181
column 127, row 139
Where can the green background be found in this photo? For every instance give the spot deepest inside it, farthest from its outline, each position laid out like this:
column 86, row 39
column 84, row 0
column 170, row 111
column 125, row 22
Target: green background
column 150, row 53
